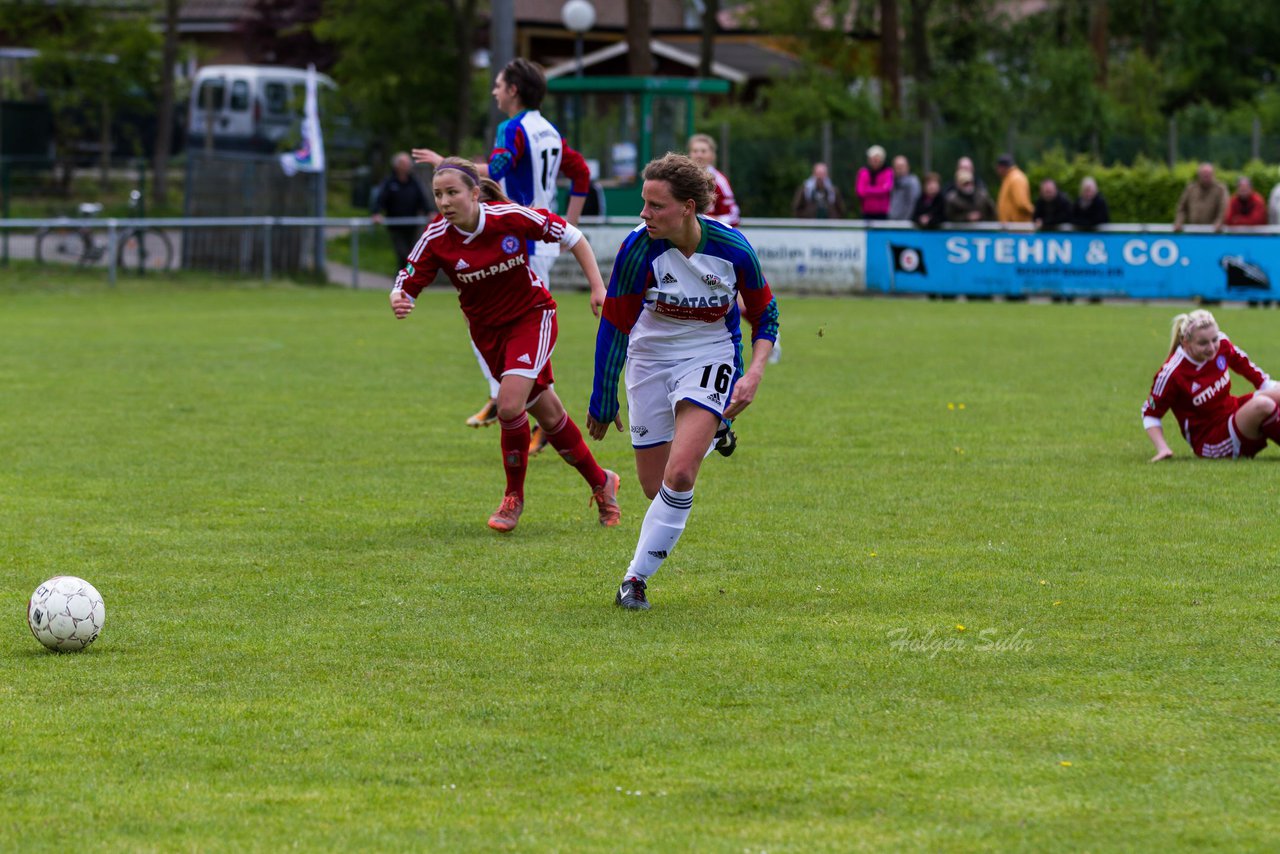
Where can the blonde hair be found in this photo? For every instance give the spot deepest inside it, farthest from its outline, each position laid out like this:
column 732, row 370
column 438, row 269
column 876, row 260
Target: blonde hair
column 1185, row 325
column 687, row 179
column 703, row 138
column 490, row 190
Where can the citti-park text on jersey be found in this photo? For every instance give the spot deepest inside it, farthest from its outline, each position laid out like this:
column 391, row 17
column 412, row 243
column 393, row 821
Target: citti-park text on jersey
column 491, row 270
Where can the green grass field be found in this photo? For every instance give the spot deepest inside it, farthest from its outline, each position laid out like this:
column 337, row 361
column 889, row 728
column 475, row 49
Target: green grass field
column 313, row 641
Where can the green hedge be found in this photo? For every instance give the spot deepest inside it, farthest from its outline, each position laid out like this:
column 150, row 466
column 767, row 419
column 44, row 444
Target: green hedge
column 1147, row 191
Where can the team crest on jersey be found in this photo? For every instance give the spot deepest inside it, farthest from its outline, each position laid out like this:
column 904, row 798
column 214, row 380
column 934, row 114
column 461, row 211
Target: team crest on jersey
column 713, row 281
column 1221, row 363
column 510, row 244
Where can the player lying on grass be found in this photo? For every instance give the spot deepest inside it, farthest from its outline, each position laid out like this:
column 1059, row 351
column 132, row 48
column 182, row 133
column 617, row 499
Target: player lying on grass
column 671, row 314
column 479, row 241
column 1195, row 382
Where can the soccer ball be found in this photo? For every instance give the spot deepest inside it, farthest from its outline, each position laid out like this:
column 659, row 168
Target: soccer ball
column 66, row 613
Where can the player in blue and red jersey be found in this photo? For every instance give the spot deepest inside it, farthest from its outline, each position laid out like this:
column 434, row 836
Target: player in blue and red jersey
column 480, row 246
column 1195, row 382
column 528, row 154
column 671, row 315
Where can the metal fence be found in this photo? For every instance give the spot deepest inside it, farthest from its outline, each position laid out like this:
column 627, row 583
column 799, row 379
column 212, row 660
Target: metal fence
column 813, row 256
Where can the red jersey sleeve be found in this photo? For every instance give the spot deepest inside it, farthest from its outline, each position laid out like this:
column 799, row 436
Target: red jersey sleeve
column 1241, row 363
column 1163, row 389
column 574, row 167
column 420, row 270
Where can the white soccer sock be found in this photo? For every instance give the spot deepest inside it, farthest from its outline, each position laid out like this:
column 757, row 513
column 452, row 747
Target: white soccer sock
column 663, row 524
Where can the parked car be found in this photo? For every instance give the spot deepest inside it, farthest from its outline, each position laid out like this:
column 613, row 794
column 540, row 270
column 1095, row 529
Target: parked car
column 249, row 107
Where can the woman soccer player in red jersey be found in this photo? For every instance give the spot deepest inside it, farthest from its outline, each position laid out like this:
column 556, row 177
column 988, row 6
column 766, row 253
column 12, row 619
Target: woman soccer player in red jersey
column 479, row 242
column 1195, row 382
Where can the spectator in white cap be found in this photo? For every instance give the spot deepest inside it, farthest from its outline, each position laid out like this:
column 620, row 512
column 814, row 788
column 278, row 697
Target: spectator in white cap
column 874, row 185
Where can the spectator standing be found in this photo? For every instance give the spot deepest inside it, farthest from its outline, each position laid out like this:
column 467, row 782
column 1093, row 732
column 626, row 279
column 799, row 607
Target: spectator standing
column 1013, row 205
column 874, row 185
column 1053, row 208
column 906, row 190
column 1090, row 210
column 400, row 195
column 1203, row 202
column 818, row 197
column 967, row 202
column 930, row 209
column 1246, row 206
column 1273, row 206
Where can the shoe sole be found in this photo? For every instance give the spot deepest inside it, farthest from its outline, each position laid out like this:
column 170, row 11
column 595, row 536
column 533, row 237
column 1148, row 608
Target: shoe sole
column 637, row 607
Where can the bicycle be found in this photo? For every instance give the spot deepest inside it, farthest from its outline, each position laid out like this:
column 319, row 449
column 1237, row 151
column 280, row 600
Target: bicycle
column 141, row 248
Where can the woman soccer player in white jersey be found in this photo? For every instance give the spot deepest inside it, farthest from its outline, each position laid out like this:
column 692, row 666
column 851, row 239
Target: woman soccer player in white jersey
column 1195, row 382
column 671, row 314
column 480, row 246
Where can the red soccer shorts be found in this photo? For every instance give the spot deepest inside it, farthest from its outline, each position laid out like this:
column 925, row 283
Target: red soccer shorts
column 522, row 347
column 1224, row 440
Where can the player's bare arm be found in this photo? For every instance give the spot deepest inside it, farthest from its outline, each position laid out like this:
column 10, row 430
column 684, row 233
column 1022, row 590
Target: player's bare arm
column 744, row 390
column 432, row 157
column 1163, row 451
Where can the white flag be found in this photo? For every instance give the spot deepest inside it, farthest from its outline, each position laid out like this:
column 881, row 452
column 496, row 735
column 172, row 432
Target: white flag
column 310, row 155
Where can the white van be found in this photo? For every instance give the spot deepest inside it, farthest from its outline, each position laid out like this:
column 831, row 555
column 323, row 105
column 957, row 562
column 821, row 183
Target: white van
column 247, row 107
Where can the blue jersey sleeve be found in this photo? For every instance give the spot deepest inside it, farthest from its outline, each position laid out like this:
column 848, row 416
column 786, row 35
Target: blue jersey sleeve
column 623, row 302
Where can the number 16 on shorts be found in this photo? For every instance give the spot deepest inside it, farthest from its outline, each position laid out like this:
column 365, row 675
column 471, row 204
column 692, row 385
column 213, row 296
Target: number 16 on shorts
column 714, row 383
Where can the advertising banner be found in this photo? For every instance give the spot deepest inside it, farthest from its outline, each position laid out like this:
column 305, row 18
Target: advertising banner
column 1157, row 265
column 793, row 258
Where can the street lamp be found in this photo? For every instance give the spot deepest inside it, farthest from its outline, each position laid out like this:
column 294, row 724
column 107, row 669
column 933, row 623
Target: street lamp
column 578, row 17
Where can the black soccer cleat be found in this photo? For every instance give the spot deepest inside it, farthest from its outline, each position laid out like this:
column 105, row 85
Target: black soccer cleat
column 726, row 441
column 631, row 595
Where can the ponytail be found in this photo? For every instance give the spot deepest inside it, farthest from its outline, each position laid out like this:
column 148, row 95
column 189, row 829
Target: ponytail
column 1185, row 324
column 491, row 191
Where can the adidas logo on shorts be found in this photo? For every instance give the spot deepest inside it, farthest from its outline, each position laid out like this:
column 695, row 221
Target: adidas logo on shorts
column 714, row 397
column 524, row 357
column 461, row 265
column 669, row 279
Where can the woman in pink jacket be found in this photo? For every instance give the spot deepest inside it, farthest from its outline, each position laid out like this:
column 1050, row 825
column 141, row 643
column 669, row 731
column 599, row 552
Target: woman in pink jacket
column 874, row 185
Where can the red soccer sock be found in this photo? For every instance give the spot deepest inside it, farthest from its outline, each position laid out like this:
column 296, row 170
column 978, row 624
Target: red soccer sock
column 1270, row 426
column 567, row 439
column 515, row 453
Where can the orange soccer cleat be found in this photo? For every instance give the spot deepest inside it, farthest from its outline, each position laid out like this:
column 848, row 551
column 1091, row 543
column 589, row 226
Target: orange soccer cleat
column 486, row 416
column 537, row 440
column 504, row 519
column 605, row 497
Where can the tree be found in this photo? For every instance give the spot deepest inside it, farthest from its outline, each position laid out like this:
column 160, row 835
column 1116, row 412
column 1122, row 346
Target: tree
column 405, row 94
column 93, row 64
column 639, row 34
column 890, row 59
column 707, row 47
column 921, row 65
column 164, row 116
